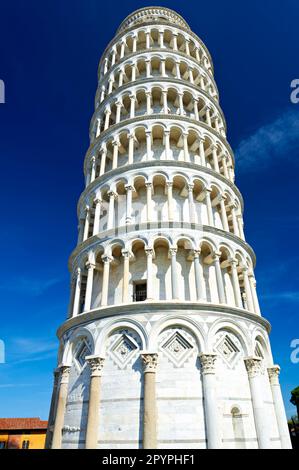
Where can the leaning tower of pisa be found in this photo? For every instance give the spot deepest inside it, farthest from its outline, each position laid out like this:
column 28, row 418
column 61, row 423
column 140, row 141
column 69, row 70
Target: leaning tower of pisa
column 164, row 345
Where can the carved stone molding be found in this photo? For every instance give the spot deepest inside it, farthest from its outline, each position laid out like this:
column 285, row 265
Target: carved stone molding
column 152, row 14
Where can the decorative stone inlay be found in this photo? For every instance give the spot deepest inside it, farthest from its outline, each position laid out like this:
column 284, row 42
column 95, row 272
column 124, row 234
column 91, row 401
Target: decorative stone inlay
column 207, row 362
column 228, row 347
column 254, row 366
column 177, row 348
column 123, row 350
column 96, row 364
column 150, row 361
column 82, row 350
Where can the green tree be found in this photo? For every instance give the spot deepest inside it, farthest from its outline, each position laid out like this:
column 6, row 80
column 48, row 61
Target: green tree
column 295, row 399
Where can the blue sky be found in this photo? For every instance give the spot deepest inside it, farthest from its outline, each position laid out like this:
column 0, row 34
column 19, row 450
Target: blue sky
column 49, row 56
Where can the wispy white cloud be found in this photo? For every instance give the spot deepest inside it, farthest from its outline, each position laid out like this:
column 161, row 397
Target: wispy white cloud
column 17, row 385
column 292, row 296
column 272, row 141
column 30, row 350
column 29, row 286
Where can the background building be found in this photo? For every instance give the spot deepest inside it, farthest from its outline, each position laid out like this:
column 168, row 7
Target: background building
column 164, row 345
column 22, row 433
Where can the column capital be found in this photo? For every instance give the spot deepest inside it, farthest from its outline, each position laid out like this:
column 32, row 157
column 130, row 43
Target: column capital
column 97, row 201
column 196, row 253
column 127, row 253
column 112, row 194
column 149, row 185
column 129, row 187
column 173, row 251
column 254, row 366
column 190, row 186
column 64, row 370
column 89, row 265
column 149, row 251
column 233, row 262
column 150, row 361
column 96, row 364
column 273, row 373
column 169, row 184
column 207, row 362
column 107, row 258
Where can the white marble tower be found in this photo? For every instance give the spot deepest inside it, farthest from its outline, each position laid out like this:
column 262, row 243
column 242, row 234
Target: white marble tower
column 164, row 345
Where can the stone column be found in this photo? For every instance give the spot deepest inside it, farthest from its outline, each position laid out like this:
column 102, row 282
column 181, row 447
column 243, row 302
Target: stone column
column 220, row 286
column 107, row 118
column 97, row 215
column 235, row 281
column 198, row 275
column 282, row 424
column 247, row 289
column 207, row 362
column 118, row 111
column 174, row 279
column 185, row 144
column 195, row 107
column 240, row 224
column 86, row 224
column 105, row 285
column 149, row 187
column 252, row 283
column 115, row 145
column 131, row 138
column 149, row 273
column 163, row 70
column 181, row 103
column 49, row 434
column 177, row 70
column 208, row 116
column 89, row 285
column 150, row 361
column 148, row 145
column 129, row 189
column 96, row 365
column 215, row 158
column 202, row 152
column 61, row 404
column 93, row 169
column 132, row 105
column 103, row 160
column 164, row 97
column 174, row 41
column 224, row 164
column 191, row 203
column 209, row 208
column 223, row 214
column 76, row 306
column 169, row 200
column 161, row 38
column 148, row 68
column 254, row 369
column 125, row 294
column 167, row 144
column 234, row 219
column 148, row 102
column 110, row 221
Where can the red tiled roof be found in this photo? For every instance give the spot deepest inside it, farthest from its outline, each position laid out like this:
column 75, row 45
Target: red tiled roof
column 22, row 423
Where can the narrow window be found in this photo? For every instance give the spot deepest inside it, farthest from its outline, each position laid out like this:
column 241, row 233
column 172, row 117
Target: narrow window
column 139, row 292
